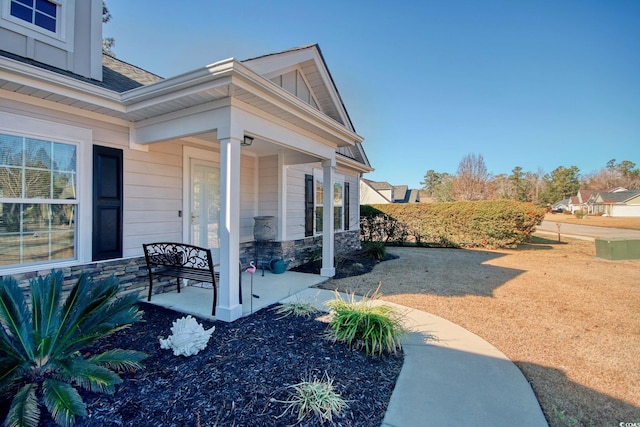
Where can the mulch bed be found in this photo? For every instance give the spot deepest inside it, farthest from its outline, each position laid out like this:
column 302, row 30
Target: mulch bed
column 353, row 264
column 238, row 378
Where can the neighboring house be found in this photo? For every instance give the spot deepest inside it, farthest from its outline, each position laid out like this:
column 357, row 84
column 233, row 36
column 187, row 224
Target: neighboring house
column 373, row 192
column 620, row 203
column 98, row 156
column 561, row 205
column 579, row 201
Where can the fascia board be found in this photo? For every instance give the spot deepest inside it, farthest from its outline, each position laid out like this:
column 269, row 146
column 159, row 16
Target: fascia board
column 41, row 79
column 348, row 162
column 190, row 82
column 271, row 92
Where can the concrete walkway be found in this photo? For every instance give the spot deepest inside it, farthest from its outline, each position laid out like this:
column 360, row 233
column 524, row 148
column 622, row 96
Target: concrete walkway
column 451, row 377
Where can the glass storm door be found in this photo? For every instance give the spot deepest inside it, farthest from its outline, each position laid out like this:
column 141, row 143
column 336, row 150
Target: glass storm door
column 204, row 203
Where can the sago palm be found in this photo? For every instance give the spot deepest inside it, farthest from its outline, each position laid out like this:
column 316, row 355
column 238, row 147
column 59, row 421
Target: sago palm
column 41, row 343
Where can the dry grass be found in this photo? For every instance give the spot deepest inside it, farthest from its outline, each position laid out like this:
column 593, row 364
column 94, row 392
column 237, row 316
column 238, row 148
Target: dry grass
column 598, row 221
column 570, row 321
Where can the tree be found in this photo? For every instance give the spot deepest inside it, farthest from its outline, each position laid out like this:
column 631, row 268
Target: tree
column 431, row 180
column 472, row 178
column 443, row 191
column 535, row 185
column 623, row 174
column 500, row 187
column 520, row 185
column 107, row 42
column 562, row 183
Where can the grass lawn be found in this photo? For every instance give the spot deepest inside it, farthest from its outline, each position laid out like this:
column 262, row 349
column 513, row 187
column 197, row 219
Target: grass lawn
column 568, row 320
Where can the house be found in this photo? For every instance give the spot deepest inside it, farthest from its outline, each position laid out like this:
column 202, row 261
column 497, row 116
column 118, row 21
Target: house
column 579, row 201
column 618, row 203
column 98, row 156
column 373, row 192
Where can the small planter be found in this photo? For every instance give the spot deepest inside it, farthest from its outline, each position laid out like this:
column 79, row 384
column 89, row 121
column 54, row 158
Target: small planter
column 278, row 266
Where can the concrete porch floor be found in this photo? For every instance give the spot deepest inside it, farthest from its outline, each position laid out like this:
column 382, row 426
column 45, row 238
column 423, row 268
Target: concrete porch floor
column 271, row 288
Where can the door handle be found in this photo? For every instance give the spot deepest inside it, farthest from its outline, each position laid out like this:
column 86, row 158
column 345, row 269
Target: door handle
column 193, row 218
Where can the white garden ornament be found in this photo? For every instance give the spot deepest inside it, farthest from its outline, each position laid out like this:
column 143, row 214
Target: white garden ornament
column 188, row 337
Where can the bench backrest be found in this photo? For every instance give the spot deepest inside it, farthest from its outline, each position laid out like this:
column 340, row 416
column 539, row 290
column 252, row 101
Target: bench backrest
column 178, row 255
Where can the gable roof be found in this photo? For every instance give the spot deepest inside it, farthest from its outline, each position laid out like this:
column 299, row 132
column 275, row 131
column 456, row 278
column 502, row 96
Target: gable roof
column 378, row 185
column 619, row 196
column 310, row 61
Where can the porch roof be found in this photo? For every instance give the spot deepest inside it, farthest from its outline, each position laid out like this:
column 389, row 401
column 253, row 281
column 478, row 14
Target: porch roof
column 155, row 97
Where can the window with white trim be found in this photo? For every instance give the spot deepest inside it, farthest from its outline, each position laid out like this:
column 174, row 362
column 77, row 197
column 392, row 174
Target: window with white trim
column 337, row 205
column 41, row 13
column 318, row 203
column 47, row 21
column 38, row 200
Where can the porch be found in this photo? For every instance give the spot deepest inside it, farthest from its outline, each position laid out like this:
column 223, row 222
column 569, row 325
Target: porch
column 270, row 288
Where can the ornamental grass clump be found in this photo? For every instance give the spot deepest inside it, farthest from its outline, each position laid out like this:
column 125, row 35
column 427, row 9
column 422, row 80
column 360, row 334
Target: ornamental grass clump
column 316, row 397
column 296, row 308
column 364, row 325
column 41, row 343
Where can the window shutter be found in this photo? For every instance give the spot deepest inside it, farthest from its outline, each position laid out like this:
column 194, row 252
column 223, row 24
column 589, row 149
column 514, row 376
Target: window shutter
column 308, row 205
column 345, row 202
column 107, row 203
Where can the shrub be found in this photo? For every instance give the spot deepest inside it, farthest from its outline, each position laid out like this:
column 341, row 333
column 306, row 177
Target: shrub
column 41, row 343
column 364, row 325
column 376, row 250
column 297, row 308
column 316, row 397
column 495, row 223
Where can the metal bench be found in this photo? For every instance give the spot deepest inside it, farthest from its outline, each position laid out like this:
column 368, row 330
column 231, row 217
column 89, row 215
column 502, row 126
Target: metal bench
column 181, row 261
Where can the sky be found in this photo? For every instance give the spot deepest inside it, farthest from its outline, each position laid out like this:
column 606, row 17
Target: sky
column 532, row 83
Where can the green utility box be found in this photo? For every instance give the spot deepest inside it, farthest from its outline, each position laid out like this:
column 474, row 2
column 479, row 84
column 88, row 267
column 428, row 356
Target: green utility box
column 618, row 248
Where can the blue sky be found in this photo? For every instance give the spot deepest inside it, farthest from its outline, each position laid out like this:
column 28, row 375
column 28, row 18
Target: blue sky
column 536, row 84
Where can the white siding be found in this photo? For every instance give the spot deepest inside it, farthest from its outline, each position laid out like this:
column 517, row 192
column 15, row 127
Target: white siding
column 295, row 200
column 268, row 186
column 248, row 197
column 153, row 196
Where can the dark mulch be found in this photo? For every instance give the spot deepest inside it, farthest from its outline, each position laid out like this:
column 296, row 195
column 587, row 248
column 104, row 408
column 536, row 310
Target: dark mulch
column 237, row 379
column 353, row 264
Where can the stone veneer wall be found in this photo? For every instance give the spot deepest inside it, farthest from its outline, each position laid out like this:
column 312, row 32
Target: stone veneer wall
column 133, row 273
column 298, row 251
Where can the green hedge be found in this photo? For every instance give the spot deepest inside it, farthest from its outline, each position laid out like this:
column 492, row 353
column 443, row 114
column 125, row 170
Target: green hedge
column 492, row 224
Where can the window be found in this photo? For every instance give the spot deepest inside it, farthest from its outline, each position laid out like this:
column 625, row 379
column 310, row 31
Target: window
column 41, row 13
column 337, row 205
column 38, row 200
column 319, row 204
column 314, row 206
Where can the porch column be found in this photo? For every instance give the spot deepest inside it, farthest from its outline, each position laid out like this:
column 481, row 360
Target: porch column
column 229, row 307
column 328, row 269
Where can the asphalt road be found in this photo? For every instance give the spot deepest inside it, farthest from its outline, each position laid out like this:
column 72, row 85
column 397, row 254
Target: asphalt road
column 586, row 232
